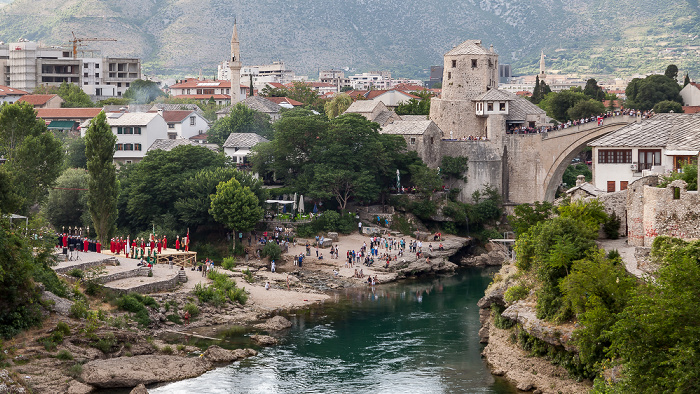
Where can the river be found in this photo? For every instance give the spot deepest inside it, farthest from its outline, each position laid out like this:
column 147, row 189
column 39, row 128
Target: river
column 416, row 336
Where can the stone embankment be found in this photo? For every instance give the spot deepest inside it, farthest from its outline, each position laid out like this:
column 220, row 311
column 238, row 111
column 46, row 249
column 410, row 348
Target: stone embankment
column 502, row 352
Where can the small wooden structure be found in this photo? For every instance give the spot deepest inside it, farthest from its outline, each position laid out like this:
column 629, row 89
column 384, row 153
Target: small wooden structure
column 180, row 258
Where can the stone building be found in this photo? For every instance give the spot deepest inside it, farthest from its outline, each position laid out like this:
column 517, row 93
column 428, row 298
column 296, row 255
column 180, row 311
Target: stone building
column 421, row 135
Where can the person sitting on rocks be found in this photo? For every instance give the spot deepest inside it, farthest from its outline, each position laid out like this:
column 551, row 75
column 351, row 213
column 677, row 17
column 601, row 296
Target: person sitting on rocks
column 430, row 247
column 321, row 256
column 267, row 286
column 441, row 247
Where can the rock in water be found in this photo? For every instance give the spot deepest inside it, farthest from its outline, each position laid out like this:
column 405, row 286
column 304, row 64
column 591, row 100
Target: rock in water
column 263, row 340
column 274, row 324
column 140, row 389
column 216, row 354
column 147, row 369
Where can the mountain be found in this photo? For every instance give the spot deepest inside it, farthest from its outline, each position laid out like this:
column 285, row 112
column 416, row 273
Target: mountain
column 178, row 37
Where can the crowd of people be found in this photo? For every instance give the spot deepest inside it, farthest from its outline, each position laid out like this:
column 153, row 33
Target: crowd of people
column 599, row 119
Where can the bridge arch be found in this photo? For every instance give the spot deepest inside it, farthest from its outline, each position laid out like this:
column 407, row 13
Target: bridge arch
column 575, row 141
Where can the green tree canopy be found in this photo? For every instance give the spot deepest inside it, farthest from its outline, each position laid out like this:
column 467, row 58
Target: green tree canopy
column 75, row 152
column 454, row 169
column 416, row 106
column 573, row 171
column 594, row 91
column 143, row 91
column 672, row 72
column 643, row 94
column 686, row 80
column 67, row 203
column 337, row 105
column 585, row 109
column 235, row 206
column 667, row 106
column 241, row 119
column 103, row 187
column 540, row 91
column 557, row 105
column 73, row 96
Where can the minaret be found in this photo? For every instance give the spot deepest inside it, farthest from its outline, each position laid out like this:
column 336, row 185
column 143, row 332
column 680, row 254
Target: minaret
column 542, row 64
column 235, row 66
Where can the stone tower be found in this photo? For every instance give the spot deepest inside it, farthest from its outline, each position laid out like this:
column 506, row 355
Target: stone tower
column 235, row 66
column 470, row 71
column 542, row 70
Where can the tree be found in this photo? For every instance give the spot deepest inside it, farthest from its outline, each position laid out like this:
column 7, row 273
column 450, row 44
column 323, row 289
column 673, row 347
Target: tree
column 585, row 109
column 525, row 216
column 416, row 106
column 557, row 105
column 142, row 91
column 75, row 152
column 671, row 72
column 337, row 105
column 73, row 96
column 454, row 169
column 643, row 94
column 241, row 119
column 686, row 80
column 594, row 91
column 269, row 91
column 10, row 201
column 34, row 156
column 540, row 91
column 103, row 187
column 235, row 206
column 667, row 106
column 67, row 203
column 573, row 171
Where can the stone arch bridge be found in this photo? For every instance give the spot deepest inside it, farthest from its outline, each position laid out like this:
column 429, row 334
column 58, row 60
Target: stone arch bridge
column 526, row 167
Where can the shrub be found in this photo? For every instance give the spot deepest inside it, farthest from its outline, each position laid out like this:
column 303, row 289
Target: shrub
column 180, row 347
column 63, row 328
column 150, row 273
column 248, row 276
column 167, row 349
column 64, row 355
column 174, row 318
column 76, row 370
column 229, row 263
column 136, row 304
column 49, row 345
column 498, row 320
column 238, row 294
column 192, row 309
column 611, row 227
column 76, row 273
column 79, row 309
column 515, row 293
column 272, row 250
column 105, row 344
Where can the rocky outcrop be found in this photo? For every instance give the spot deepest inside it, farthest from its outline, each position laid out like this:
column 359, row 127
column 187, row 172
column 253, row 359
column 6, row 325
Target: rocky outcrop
column 525, row 315
column 140, row 389
column 58, row 304
column 263, row 340
column 423, row 266
column 216, row 354
column 132, row 371
column 276, row 323
column 492, row 258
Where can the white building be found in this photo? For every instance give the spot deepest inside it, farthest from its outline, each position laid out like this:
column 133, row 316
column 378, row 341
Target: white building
column 371, row 80
column 136, row 132
column 239, row 145
column 661, row 144
column 10, row 95
column 184, row 124
column 691, row 95
column 193, row 88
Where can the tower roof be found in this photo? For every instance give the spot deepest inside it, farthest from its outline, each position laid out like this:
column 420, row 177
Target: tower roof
column 234, row 36
column 469, row 47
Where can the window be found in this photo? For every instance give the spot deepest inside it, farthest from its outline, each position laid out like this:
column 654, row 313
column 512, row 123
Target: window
column 623, row 185
column 615, row 156
column 120, row 130
column 193, row 120
column 120, row 146
column 97, row 75
column 611, row 186
column 502, row 106
column 449, row 75
column 127, row 161
column 413, row 140
column 84, row 75
column 137, row 130
column 97, row 65
column 171, row 125
column 489, row 106
column 128, row 146
column 490, row 63
column 432, row 140
column 473, row 63
column 137, row 147
column 84, row 83
column 454, row 63
column 649, row 158
column 119, row 84
column 128, row 130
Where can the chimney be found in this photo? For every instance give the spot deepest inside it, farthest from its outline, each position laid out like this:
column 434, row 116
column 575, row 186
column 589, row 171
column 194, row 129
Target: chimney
column 122, row 109
column 580, row 180
column 160, row 111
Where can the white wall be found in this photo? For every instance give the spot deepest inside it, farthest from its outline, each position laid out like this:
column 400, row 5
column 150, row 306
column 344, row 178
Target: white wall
column 691, row 95
column 603, row 172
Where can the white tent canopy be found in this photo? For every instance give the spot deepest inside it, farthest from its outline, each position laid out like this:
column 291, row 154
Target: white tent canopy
column 285, row 202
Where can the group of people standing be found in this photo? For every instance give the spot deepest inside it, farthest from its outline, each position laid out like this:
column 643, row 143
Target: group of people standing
column 75, row 242
column 139, row 247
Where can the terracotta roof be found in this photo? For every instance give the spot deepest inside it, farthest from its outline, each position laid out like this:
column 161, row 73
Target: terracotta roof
column 691, row 109
column 67, row 113
column 206, row 83
column 176, row 116
column 409, row 87
column 243, row 140
column 8, row 91
column 37, row 99
column 356, row 93
column 199, row 137
column 204, row 96
column 285, row 100
column 276, row 85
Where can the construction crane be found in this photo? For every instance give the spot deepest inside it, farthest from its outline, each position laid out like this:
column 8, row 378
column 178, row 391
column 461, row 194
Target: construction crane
column 79, row 40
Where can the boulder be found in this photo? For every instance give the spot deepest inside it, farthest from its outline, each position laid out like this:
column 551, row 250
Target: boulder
column 60, row 305
column 332, row 236
column 216, row 354
column 274, row 324
column 263, row 340
column 132, row 371
column 76, row 387
column 140, row 389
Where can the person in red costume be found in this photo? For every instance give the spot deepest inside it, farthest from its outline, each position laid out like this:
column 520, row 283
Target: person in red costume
column 99, row 247
column 177, row 243
column 153, row 246
column 165, row 243
column 85, row 245
column 160, row 246
column 65, row 240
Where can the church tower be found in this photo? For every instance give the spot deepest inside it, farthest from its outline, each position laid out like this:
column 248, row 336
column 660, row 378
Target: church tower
column 235, row 66
column 542, row 71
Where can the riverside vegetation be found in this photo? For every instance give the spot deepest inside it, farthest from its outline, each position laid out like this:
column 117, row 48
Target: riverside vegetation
column 633, row 335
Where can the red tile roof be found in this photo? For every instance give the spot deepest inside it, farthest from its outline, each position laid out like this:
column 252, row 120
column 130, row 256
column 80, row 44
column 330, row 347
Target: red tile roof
column 276, row 85
column 691, row 109
column 8, row 91
column 37, row 99
column 199, row 137
column 67, row 113
column 205, row 96
column 206, row 83
column 175, row 116
column 287, row 100
column 409, row 87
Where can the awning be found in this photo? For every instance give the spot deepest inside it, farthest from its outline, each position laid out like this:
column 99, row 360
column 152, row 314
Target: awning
column 681, row 153
column 61, row 125
column 279, row 202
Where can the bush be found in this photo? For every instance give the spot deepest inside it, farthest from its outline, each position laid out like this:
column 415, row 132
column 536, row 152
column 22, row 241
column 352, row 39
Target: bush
column 229, row 263
column 79, row 309
column 498, row 320
column 49, row 345
column 272, row 250
column 76, row 273
column 248, row 276
column 167, row 349
column 63, row 328
column 136, row 304
column 105, row 344
column 192, row 309
column 76, row 370
column 174, row 318
column 64, row 355
column 515, row 293
column 611, row 227
column 150, row 273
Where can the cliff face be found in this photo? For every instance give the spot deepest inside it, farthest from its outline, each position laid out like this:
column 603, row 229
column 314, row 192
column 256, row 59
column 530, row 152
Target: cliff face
column 181, row 36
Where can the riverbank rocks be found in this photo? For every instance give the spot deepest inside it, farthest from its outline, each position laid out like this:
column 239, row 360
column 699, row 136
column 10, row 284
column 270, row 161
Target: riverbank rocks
column 132, row 371
column 492, row 258
column 276, row 323
column 76, row 387
column 556, row 335
column 216, row 354
column 58, row 304
column 263, row 340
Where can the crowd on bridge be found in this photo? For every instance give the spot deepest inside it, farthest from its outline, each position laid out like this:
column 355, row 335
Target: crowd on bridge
column 599, row 119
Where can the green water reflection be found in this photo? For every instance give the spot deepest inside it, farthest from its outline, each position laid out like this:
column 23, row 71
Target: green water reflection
column 417, row 336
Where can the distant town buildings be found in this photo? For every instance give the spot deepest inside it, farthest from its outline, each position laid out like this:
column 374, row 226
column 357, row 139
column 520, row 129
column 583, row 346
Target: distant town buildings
column 26, row 65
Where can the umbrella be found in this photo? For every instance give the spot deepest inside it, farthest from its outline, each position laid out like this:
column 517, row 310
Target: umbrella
column 301, row 203
column 398, row 180
column 315, row 208
column 295, row 202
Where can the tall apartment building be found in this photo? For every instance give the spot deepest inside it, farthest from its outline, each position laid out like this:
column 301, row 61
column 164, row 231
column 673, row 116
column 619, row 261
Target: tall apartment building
column 262, row 74
column 334, row 77
column 380, row 80
column 26, row 65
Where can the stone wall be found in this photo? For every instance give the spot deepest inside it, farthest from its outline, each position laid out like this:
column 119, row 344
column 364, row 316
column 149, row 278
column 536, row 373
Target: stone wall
column 123, row 275
column 635, row 209
column 664, row 214
column 616, row 203
column 148, row 288
column 485, row 165
column 88, row 265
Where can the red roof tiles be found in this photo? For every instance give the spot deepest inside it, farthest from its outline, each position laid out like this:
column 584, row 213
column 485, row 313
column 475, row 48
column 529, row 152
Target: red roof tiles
column 67, row 113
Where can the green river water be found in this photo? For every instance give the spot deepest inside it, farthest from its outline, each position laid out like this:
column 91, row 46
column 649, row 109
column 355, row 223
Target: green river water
column 417, row 336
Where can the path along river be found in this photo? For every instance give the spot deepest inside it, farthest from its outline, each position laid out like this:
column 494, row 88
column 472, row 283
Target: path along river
column 417, row 336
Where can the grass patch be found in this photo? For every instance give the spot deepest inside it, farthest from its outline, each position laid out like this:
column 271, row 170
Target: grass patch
column 75, row 371
column 136, row 304
column 76, row 273
column 167, row 349
column 174, row 318
column 222, row 289
column 64, row 355
column 105, row 344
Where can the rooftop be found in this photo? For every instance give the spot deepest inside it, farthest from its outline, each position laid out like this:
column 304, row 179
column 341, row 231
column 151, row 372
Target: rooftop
column 672, row 131
column 168, row 145
column 67, row 113
column 407, row 127
column 130, row 118
column 469, row 47
column 243, row 140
